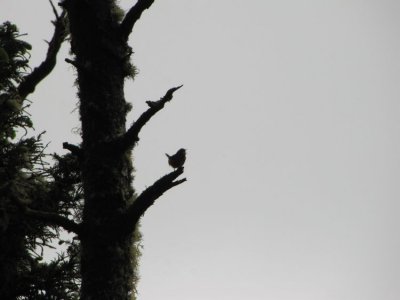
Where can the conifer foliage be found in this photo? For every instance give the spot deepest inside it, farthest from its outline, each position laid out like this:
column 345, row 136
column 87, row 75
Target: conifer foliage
column 28, row 182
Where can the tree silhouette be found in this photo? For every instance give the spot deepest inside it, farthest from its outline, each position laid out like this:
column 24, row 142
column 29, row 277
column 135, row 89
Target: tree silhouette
column 28, row 186
column 92, row 186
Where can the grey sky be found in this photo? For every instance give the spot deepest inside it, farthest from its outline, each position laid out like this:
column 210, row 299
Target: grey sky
column 291, row 116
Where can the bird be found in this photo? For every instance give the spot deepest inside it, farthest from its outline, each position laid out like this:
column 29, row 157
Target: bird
column 153, row 104
column 178, row 159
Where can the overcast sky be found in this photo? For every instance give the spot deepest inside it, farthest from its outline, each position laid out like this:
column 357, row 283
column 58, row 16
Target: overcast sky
column 290, row 113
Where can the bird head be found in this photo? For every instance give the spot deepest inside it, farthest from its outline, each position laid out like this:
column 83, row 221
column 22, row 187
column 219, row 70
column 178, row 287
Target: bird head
column 181, row 151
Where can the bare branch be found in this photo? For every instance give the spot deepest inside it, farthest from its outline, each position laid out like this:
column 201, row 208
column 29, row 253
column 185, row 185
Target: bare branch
column 149, row 196
column 132, row 135
column 133, row 15
column 30, row 81
column 79, row 66
column 72, row 62
column 76, row 150
column 53, row 219
column 54, row 10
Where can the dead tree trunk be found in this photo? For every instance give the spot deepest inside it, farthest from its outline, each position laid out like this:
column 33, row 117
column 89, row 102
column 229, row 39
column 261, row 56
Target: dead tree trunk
column 99, row 42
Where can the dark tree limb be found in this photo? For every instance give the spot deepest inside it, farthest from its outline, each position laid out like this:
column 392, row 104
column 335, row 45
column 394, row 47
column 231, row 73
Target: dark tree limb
column 30, row 81
column 72, row 62
column 149, row 196
column 133, row 15
column 129, row 139
column 74, row 149
column 55, row 12
column 79, row 66
column 53, row 219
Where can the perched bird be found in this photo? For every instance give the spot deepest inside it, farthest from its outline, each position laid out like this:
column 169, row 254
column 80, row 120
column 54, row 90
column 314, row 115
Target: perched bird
column 178, row 159
column 153, row 104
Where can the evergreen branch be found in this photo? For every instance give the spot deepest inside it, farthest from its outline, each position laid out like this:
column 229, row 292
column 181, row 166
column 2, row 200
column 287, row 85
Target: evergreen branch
column 29, row 83
column 132, row 135
column 53, row 219
column 133, row 15
column 149, row 196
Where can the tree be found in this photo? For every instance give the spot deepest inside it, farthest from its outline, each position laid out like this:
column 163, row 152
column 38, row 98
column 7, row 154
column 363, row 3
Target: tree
column 107, row 227
column 27, row 180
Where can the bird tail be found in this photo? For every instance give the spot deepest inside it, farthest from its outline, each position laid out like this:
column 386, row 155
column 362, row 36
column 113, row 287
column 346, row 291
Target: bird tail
column 169, row 156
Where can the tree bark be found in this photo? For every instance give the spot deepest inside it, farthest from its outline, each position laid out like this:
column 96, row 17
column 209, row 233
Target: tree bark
column 102, row 59
column 111, row 212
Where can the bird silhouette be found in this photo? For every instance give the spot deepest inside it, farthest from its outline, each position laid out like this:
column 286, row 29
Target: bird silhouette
column 153, row 104
column 178, row 159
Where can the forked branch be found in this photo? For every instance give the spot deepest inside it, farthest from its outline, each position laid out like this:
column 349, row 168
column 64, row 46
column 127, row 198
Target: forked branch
column 30, row 81
column 132, row 135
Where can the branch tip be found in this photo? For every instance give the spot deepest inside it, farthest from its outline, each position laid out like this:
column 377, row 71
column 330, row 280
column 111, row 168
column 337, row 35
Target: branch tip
column 54, row 10
column 72, row 62
column 132, row 135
